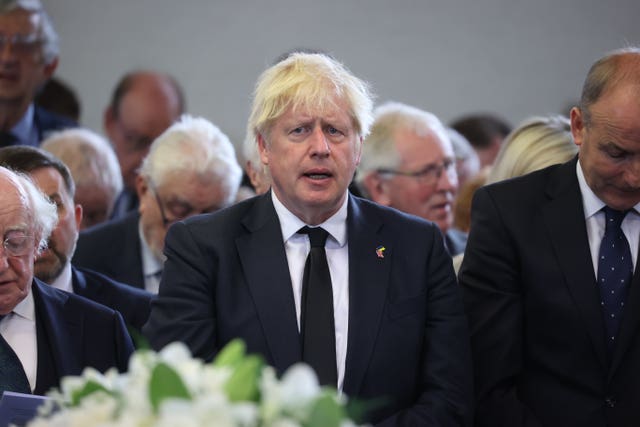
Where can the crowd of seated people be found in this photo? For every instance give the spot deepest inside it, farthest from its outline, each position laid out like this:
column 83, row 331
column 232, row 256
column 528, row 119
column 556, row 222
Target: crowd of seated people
column 484, row 275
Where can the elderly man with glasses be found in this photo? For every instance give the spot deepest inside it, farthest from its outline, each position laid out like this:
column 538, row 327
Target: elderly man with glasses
column 408, row 163
column 190, row 169
column 28, row 57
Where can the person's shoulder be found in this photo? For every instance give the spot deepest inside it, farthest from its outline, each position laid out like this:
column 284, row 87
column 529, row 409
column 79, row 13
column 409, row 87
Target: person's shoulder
column 95, row 278
column 227, row 220
column 112, row 228
column 532, row 181
column 47, row 121
column 76, row 305
column 390, row 217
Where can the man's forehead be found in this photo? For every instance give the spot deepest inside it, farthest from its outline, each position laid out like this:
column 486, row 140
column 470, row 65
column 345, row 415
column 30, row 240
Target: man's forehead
column 20, row 21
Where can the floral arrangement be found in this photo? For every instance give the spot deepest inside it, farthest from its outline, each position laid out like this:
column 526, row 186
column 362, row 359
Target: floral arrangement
column 171, row 388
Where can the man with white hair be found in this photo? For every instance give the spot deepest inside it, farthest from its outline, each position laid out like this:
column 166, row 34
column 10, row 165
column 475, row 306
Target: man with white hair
column 94, row 168
column 190, row 169
column 29, row 56
column 408, row 163
column 45, row 333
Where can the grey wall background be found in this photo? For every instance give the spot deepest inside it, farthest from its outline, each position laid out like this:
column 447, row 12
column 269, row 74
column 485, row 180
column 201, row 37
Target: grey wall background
column 511, row 57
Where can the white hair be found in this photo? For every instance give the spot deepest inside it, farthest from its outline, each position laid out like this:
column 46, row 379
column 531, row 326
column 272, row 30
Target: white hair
column 194, row 145
column 89, row 157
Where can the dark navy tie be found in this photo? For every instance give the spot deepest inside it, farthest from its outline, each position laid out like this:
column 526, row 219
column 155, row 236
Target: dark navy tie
column 317, row 324
column 12, row 376
column 615, row 270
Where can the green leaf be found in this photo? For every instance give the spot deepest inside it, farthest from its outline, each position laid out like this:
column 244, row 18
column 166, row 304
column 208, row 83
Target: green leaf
column 243, row 385
column 90, row 387
column 326, row 412
column 165, row 383
column 231, row 354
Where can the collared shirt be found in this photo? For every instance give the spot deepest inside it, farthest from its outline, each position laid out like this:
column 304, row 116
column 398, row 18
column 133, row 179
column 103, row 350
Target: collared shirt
column 19, row 330
column 595, row 220
column 297, row 247
column 151, row 265
column 25, row 130
column 63, row 281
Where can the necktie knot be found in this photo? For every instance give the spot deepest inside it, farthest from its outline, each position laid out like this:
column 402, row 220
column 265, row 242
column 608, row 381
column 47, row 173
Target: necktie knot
column 613, row 217
column 317, row 236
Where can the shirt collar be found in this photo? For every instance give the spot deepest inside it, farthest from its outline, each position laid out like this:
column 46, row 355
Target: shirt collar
column 22, row 129
column 336, row 225
column 150, row 264
column 63, row 281
column 590, row 202
column 26, row 308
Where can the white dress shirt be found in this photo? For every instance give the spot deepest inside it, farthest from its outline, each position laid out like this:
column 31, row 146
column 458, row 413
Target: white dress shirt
column 151, row 265
column 595, row 220
column 297, row 247
column 19, row 330
column 63, row 281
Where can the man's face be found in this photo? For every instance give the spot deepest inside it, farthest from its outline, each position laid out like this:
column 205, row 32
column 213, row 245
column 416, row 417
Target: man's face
column 97, row 204
column 22, row 67
column 62, row 242
column 428, row 196
column 312, row 156
column 182, row 195
column 146, row 111
column 610, row 145
column 16, row 271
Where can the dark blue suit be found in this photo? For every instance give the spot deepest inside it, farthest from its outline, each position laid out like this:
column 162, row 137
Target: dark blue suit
column 73, row 333
column 534, row 311
column 134, row 304
column 227, row 276
column 113, row 249
column 46, row 122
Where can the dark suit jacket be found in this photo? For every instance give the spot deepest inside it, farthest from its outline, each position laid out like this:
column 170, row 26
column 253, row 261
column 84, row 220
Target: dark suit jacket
column 113, row 249
column 538, row 336
column 73, row 333
column 227, row 276
column 134, row 304
column 46, row 122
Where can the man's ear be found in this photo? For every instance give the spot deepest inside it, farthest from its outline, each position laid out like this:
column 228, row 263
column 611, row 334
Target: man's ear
column 142, row 187
column 578, row 125
column 49, row 69
column 77, row 211
column 262, row 148
column 377, row 189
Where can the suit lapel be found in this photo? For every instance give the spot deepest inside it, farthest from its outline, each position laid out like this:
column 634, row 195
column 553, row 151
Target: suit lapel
column 368, row 284
column 564, row 217
column 62, row 328
column 264, row 263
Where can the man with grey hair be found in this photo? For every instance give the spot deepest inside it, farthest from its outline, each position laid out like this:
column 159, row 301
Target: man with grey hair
column 45, row 333
column 306, row 272
column 94, row 168
column 408, row 163
column 28, row 58
column 191, row 168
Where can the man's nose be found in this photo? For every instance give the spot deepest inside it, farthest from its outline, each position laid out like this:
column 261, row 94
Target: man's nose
column 319, row 142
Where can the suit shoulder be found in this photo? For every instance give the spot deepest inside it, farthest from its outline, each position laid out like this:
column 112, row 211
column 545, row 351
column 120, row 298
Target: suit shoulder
column 124, row 289
column 391, row 217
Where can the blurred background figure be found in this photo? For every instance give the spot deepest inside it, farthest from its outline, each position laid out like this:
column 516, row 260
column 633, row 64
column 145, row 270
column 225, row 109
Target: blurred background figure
column 94, row 168
column 536, row 143
column 53, row 265
column 467, row 160
column 485, row 132
column 28, row 57
column 408, row 163
column 60, row 98
column 143, row 105
column 257, row 172
column 190, row 169
column 462, row 210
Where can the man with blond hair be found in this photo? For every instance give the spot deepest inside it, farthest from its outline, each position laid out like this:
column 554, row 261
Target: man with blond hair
column 306, row 272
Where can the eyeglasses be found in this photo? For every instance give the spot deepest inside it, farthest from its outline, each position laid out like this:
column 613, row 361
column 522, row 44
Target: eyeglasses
column 428, row 175
column 17, row 243
column 165, row 221
column 21, row 44
column 186, row 210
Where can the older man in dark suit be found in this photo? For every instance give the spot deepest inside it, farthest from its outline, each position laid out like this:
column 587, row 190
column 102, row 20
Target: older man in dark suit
column 364, row 294
column 45, row 333
column 29, row 57
column 548, row 273
column 53, row 265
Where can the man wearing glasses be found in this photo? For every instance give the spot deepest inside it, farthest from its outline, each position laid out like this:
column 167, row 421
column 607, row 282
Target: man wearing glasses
column 190, row 169
column 408, row 163
column 28, row 57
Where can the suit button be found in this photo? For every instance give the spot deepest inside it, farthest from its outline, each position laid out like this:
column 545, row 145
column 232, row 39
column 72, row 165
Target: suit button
column 610, row 401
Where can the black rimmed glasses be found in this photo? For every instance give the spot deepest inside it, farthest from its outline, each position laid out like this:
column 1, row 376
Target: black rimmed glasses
column 428, row 175
column 186, row 209
column 21, row 44
column 17, row 243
